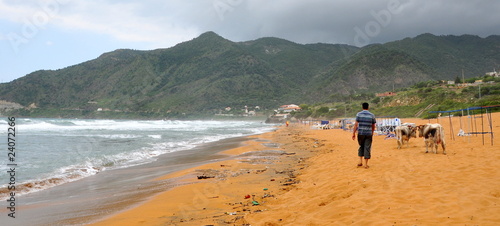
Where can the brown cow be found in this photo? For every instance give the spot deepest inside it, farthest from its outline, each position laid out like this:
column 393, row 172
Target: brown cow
column 404, row 133
column 433, row 136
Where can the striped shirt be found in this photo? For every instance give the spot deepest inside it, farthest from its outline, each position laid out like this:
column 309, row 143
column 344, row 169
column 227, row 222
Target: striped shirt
column 365, row 121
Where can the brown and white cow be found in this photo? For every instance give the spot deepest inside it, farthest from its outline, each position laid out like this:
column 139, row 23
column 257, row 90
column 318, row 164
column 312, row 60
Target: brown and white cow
column 433, row 136
column 404, row 133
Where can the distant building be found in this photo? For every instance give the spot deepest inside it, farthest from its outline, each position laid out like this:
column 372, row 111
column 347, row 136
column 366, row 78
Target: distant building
column 289, row 108
column 386, row 94
column 451, row 82
column 494, row 73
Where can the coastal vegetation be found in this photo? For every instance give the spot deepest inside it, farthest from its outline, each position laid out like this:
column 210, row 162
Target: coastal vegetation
column 411, row 101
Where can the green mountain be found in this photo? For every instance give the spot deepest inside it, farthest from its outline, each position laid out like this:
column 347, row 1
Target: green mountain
column 209, row 73
column 373, row 68
column 449, row 55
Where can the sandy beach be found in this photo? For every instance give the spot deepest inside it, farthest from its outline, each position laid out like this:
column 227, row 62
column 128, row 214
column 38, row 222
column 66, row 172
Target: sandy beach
column 303, row 176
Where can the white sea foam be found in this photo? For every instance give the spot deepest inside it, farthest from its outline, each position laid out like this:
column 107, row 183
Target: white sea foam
column 155, row 136
column 119, row 136
column 59, row 176
column 57, row 151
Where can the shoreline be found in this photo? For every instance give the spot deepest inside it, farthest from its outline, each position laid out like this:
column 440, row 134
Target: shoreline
column 261, row 164
column 314, row 180
column 111, row 191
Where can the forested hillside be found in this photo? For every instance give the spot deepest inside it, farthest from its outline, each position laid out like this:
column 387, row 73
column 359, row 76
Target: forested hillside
column 209, row 73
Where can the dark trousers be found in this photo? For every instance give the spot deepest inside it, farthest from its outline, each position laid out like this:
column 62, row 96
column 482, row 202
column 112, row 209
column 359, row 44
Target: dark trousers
column 365, row 146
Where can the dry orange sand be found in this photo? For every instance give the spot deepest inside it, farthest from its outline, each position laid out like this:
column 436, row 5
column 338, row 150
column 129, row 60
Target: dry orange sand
column 317, row 182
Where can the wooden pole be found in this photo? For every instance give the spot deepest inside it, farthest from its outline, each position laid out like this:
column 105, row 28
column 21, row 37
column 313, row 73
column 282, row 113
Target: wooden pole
column 482, row 124
column 451, row 127
column 490, row 118
column 475, row 125
column 469, row 122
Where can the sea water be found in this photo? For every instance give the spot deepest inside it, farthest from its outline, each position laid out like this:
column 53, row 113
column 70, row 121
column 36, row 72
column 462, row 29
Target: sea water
column 51, row 152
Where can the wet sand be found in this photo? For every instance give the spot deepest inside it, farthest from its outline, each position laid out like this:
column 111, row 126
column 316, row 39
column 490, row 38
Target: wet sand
column 310, row 177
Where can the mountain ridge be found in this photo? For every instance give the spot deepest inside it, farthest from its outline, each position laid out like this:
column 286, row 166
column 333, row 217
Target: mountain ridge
column 209, row 73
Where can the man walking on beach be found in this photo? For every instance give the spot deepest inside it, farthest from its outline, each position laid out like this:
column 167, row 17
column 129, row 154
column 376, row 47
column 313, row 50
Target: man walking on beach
column 365, row 125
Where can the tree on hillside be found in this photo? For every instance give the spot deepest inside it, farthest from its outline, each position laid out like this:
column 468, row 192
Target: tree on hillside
column 304, row 107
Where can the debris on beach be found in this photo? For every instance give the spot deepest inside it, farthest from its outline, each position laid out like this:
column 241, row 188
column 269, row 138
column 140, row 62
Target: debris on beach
column 205, row 177
column 209, row 173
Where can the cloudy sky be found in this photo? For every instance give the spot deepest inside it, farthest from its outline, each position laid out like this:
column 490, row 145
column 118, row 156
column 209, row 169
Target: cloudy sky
column 53, row 34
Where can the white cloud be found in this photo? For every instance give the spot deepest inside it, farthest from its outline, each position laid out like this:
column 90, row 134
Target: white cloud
column 15, row 12
column 127, row 22
column 161, row 23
